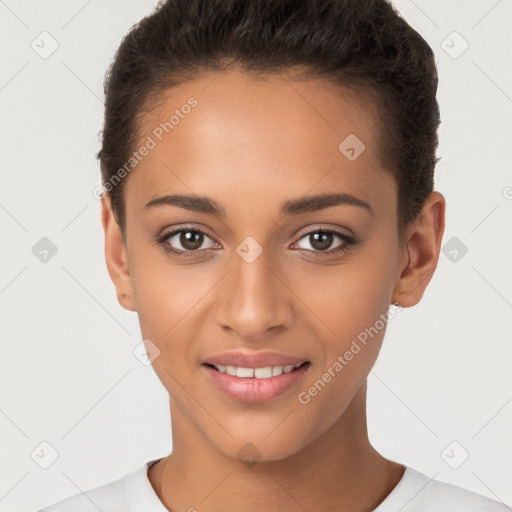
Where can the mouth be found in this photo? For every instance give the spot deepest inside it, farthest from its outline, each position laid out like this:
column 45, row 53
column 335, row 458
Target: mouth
column 255, row 384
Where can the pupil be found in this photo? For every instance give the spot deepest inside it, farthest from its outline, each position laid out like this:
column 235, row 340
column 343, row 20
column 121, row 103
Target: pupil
column 325, row 240
column 187, row 240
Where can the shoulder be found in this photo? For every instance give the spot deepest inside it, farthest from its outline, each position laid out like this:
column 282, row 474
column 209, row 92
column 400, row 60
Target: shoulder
column 109, row 497
column 417, row 492
column 131, row 492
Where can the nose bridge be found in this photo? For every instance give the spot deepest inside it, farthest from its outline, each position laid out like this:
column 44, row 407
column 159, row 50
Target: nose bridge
column 253, row 300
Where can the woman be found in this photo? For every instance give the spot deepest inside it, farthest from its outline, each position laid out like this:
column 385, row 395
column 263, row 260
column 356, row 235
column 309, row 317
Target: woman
column 269, row 206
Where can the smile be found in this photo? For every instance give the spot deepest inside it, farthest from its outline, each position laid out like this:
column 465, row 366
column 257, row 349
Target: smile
column 255, row 385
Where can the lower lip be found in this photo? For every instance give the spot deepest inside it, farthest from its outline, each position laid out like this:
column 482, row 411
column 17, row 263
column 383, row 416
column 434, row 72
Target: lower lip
column 255, row 390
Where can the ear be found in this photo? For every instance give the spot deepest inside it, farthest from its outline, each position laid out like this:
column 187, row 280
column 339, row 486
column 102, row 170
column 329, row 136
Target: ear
column 421, row 252
column 116, row 256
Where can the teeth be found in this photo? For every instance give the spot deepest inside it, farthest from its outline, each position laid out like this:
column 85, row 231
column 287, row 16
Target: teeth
column 230, row 370
column 263, row 373
column 245, row 372
column 256, row 373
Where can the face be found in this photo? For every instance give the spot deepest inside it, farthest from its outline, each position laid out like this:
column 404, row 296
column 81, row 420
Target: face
column 250, row 263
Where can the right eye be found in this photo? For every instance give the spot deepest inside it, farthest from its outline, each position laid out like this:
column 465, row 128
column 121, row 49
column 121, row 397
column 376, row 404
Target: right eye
column 191, row 239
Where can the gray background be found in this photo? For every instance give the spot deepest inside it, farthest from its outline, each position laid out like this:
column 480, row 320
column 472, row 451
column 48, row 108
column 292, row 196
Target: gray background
column 441, row 389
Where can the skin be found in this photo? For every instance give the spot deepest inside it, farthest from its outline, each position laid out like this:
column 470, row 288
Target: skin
column 251, row 144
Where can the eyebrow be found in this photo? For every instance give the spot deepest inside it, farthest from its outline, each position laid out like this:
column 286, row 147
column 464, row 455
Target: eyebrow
column 204, row 204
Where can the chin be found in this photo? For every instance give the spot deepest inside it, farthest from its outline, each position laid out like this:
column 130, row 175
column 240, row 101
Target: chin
column 261, row 446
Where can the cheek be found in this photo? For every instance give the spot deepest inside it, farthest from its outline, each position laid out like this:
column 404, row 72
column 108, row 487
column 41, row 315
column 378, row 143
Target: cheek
column 170, row 298
column 161, row 291
column 356, row 294
column 353, row 302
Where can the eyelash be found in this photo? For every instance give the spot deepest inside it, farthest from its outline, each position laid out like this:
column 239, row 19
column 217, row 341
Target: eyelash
column 349, row 242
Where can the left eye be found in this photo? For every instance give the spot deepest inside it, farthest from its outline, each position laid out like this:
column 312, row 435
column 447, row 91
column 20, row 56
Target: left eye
column 321, row 241
column 190, row 239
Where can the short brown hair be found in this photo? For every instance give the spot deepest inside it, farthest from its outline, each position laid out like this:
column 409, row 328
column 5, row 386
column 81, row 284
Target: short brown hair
column 361, row 44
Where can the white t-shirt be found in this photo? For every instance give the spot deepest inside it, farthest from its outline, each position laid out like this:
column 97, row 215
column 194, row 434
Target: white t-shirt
column 415, row 492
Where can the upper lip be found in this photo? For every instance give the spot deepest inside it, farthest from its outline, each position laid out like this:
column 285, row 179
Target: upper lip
column 254, row 359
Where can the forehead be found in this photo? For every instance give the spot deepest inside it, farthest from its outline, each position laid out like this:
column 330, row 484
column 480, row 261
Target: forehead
column 235, row 135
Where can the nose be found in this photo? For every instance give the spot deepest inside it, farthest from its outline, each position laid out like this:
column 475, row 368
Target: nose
column 254, row 299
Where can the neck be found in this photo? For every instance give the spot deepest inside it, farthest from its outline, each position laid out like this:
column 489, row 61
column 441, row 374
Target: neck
column 340, row 470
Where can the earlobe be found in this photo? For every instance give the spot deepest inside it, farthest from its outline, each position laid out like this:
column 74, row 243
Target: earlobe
column 422, row 251
column 116, row 256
